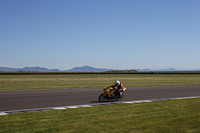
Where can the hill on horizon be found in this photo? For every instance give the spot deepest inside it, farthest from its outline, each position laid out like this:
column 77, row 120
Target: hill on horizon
column 85, row 69
column 42, row 69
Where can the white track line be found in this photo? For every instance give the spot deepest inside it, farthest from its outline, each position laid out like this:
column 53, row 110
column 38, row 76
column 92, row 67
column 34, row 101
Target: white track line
column 2, row 113
column 59, row 108
column 91, row 105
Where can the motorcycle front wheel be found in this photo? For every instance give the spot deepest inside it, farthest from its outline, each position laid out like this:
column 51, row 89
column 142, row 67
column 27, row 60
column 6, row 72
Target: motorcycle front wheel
column 102, row 98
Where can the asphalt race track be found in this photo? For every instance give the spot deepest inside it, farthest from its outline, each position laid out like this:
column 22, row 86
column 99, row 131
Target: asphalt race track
column 29, row 99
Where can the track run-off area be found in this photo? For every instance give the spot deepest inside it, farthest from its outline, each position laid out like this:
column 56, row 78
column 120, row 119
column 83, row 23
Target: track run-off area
column 16, row 101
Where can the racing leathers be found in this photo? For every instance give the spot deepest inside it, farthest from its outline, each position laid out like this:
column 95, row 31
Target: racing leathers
column 119, row 88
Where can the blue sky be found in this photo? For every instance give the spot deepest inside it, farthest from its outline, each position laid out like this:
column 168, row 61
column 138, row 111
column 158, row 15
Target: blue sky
column 114, row 34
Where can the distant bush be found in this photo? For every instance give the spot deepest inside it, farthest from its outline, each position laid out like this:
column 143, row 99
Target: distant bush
column 121, row 71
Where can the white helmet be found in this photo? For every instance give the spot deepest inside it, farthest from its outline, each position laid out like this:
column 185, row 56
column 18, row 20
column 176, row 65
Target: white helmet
column 117, row 83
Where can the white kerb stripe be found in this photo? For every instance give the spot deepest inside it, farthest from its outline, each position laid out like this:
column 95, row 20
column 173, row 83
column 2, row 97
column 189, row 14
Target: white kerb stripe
column 85, row 106
column 59, row 108
column 2, row 113
column 71, row 107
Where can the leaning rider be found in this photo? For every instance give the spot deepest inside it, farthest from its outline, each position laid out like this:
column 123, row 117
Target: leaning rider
column 119, row 88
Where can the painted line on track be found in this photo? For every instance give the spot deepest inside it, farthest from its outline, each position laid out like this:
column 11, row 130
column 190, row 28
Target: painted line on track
column 89, row 105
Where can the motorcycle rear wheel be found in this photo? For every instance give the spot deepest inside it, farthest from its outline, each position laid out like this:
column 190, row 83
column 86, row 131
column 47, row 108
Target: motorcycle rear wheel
column 102, row 98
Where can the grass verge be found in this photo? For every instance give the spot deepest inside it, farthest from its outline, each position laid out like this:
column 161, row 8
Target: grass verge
column 159, row 116
column 21, row 82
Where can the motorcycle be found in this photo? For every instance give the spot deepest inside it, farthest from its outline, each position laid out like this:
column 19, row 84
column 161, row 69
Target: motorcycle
column 110, row 93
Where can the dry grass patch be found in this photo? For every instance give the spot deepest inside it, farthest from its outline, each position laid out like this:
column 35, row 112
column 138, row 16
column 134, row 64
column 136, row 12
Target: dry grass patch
column 13, row 82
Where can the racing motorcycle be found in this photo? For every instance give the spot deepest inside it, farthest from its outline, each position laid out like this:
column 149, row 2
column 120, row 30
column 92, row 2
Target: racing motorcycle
column 110, row 93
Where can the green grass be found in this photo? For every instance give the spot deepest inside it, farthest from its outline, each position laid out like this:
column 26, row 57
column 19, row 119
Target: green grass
column 20, row 82
column 160, row 116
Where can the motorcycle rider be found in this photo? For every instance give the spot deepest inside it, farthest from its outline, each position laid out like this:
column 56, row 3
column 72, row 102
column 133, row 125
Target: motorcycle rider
column 119, row 88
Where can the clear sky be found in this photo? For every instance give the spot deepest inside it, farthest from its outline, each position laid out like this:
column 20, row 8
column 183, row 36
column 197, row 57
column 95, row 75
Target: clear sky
column 113, row 34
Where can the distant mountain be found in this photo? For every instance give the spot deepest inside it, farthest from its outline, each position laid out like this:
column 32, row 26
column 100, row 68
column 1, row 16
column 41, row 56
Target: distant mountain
column 163, row 70
column 166, row 70
column 170, row 69
column 41, row 69
column 143, row 70
column 82, row 69
column 7, row 69
column 86, row 69
column 28, row 69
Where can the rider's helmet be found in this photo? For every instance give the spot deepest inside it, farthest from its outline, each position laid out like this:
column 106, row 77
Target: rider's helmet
column 117, row 83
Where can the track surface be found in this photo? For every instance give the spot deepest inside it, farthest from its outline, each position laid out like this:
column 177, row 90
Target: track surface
column 29, row 99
